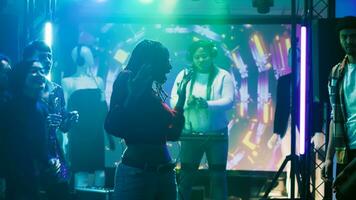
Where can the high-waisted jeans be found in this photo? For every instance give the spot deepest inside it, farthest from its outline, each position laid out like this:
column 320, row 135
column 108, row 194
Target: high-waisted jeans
column 136, row 184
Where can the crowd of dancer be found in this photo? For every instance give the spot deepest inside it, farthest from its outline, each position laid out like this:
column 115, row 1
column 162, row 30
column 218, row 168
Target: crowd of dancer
column 33, row 109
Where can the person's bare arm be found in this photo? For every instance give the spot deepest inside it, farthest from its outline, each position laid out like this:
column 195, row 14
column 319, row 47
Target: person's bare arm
column 327, row 169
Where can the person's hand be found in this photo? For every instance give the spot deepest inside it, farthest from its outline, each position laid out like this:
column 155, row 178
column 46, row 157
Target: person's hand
column 340, row 178
column 197, row 102
column 54, row 120
column 344, row 174
column 326, row 172
column 319, row 140
column 111, row 146
column 73, row 118
column 183, row 84
column 191, row 101
column 272, row 142
column 54, row 166
column 137, row 85
column 182, row 89
column 201, row 103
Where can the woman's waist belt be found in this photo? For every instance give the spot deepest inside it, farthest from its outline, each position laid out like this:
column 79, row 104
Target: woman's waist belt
column 160, row 168
column 220, row 134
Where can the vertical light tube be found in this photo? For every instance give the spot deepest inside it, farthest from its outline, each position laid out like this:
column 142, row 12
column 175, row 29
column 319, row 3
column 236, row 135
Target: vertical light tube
column 303, row 89
column 48, row 39
column 48, row 34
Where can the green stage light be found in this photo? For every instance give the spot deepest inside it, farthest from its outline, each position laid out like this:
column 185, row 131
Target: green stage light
column 167, row 6
column 146, row 1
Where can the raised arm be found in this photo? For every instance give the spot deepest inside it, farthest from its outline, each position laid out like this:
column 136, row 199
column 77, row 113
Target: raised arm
column 180, row 93
column 174, row 91
column 328, row 164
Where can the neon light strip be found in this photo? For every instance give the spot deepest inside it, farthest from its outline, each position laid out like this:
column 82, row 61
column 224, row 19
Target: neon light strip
column 303, row 82
column 48, row 34
column 48, row 39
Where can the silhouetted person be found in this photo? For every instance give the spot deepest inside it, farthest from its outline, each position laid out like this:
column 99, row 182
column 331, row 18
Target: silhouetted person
column 23, row 128
column 139, row 115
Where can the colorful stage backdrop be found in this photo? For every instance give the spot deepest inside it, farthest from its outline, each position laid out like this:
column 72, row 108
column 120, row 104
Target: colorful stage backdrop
column 256, row 55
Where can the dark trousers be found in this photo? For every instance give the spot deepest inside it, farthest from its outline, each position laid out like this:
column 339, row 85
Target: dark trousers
column 339, row 169
column 192, row 151
column 132, row 183
column 30, row 190
column 22, row 188
column 351, row 155
column 58, row 191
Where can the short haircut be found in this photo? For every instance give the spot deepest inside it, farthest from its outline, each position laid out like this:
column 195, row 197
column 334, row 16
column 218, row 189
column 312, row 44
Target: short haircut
column 18, row 75
column 4, row 57
column 32, row 47
column 348, row 22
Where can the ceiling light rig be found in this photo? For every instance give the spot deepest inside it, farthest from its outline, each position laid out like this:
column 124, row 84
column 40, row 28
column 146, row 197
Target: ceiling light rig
column 263, row 6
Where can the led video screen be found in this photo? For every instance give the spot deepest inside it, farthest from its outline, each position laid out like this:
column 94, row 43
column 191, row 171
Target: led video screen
column 256, row 56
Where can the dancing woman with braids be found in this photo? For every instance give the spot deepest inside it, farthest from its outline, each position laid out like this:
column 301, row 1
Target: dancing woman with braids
column 138, row 114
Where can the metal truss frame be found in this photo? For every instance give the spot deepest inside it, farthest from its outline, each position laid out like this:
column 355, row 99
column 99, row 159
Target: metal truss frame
column 320, row 9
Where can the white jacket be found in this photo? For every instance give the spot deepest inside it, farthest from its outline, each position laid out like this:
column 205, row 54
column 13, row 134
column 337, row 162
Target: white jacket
column 213, row 118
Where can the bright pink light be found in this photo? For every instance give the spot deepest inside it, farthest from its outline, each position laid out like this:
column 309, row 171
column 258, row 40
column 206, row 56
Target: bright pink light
column 303, row 83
